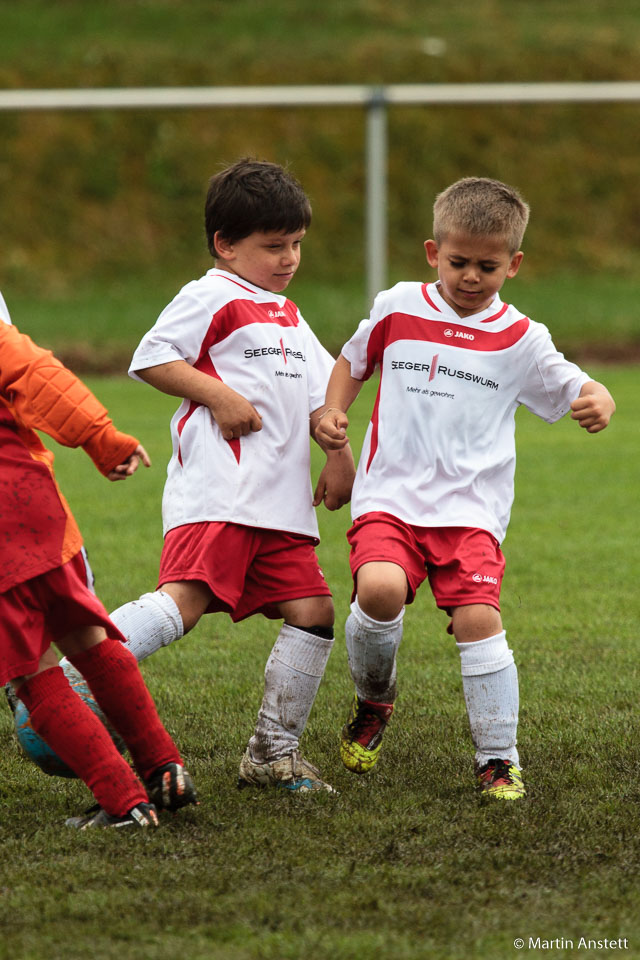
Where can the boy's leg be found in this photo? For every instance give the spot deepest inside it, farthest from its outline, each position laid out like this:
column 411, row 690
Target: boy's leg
column 373, row 632
column 68, row 725
column 114, row 678
column 196, row 560
column 292, row 676
column 490, row 684
column 157, row 619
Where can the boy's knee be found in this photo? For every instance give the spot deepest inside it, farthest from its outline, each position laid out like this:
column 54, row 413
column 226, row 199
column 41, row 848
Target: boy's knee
column 382, row 590
column 191, row 597
column 475, row 621
column 308, row 612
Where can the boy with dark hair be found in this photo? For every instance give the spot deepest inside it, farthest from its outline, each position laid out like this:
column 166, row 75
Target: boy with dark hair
column 240, row 528
column 434, row 487
column 253, row 196
column 46, row 596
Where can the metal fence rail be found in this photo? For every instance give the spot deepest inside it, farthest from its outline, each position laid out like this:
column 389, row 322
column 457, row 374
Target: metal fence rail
column 376, row 100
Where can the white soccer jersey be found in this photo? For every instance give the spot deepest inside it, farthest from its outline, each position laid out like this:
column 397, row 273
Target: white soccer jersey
column 257, row 343
column 4, row 311
column 440, row 447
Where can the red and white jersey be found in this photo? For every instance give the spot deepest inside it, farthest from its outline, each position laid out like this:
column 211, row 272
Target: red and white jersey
column 258, row 344
column 440, row 447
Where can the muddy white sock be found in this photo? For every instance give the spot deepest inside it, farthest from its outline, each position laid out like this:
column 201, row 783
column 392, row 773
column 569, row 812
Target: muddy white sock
column 291, row 680
column 490, row 684
column 151, row 622
column 372, row 646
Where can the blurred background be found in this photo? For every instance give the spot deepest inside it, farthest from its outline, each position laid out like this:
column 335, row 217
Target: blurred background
column 101, row 212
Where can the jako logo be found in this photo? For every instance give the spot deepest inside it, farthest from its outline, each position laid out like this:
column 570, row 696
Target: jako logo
column 275, row 313
column 479, row 578
column 458, row 333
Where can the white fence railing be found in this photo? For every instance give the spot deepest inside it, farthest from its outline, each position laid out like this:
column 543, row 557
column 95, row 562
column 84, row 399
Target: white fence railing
column 375, row 100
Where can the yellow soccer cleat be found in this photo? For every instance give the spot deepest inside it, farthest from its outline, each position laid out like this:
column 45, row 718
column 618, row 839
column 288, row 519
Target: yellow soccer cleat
column 500, row 779
column 361, row 737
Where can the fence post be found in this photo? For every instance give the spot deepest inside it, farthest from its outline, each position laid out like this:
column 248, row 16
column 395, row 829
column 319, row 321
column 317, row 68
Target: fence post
column 376, row 178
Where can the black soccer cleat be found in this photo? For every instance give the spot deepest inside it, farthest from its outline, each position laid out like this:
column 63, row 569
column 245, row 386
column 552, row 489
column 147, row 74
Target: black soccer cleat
column 142, row 815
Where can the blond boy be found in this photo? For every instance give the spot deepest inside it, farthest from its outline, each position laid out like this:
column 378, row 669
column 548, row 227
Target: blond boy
column 434, row 486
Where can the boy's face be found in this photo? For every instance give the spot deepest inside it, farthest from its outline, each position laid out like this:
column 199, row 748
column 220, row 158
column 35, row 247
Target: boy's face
column 268, row 260
column 471, row 270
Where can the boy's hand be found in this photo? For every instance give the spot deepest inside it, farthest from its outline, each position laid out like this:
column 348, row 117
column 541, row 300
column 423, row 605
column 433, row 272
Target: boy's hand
column 594, row 407
column 235, row 416
column 331, row 429
column 336, row 480
column 131, row 464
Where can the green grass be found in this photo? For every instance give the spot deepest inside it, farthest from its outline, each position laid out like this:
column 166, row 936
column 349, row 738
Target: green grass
column 405, row 863
column 98, row 328
column 108, row 195
column 166, row 41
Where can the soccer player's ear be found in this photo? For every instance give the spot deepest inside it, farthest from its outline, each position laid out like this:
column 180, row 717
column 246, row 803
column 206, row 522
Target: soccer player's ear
column 514, row 266
column 432, row 253
column 222, row 247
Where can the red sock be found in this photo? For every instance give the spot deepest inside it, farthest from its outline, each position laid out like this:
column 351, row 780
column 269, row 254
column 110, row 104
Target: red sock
column 114, row 679
column 81, row 740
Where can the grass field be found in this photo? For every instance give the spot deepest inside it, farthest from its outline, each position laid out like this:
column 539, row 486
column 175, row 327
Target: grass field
column 98, row 328
column 106, row 194
column 405, row 863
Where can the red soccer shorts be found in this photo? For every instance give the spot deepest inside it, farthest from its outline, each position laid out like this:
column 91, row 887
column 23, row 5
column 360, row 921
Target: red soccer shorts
column 464, row 564
column 37, row 613
column 248, row 570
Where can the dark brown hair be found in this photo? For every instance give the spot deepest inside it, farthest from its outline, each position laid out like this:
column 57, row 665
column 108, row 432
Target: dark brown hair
column 254, row 195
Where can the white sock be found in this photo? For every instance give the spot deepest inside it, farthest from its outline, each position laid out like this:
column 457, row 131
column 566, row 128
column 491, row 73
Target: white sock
column 490, row 684
column 292, row 677
column 372, row 646
column 149, row 623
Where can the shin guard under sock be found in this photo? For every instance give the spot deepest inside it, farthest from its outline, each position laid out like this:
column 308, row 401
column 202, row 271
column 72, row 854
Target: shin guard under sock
column 490, row 684
column 149, row 623
column 114, row 679
column 372, row 646
column 291, row 680
column 81, row 740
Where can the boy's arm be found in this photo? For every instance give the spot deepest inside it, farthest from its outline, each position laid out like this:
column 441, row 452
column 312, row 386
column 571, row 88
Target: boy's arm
column 235, row 416
column 336, row 479
column 594, row 407
column 46, row 396
column 329, row 423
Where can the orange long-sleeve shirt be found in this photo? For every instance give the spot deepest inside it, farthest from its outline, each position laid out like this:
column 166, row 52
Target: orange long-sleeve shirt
column 37, row 529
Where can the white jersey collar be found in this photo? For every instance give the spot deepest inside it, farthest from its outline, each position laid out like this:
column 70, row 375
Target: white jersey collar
column 495, row 307
column 246, row 284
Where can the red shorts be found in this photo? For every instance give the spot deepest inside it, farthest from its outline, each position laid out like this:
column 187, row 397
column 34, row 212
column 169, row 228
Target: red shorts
column 248, row 570
column 464, row 564
column 43, row 610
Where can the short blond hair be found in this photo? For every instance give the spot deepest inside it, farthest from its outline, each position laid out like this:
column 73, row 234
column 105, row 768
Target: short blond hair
column 481, row 207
